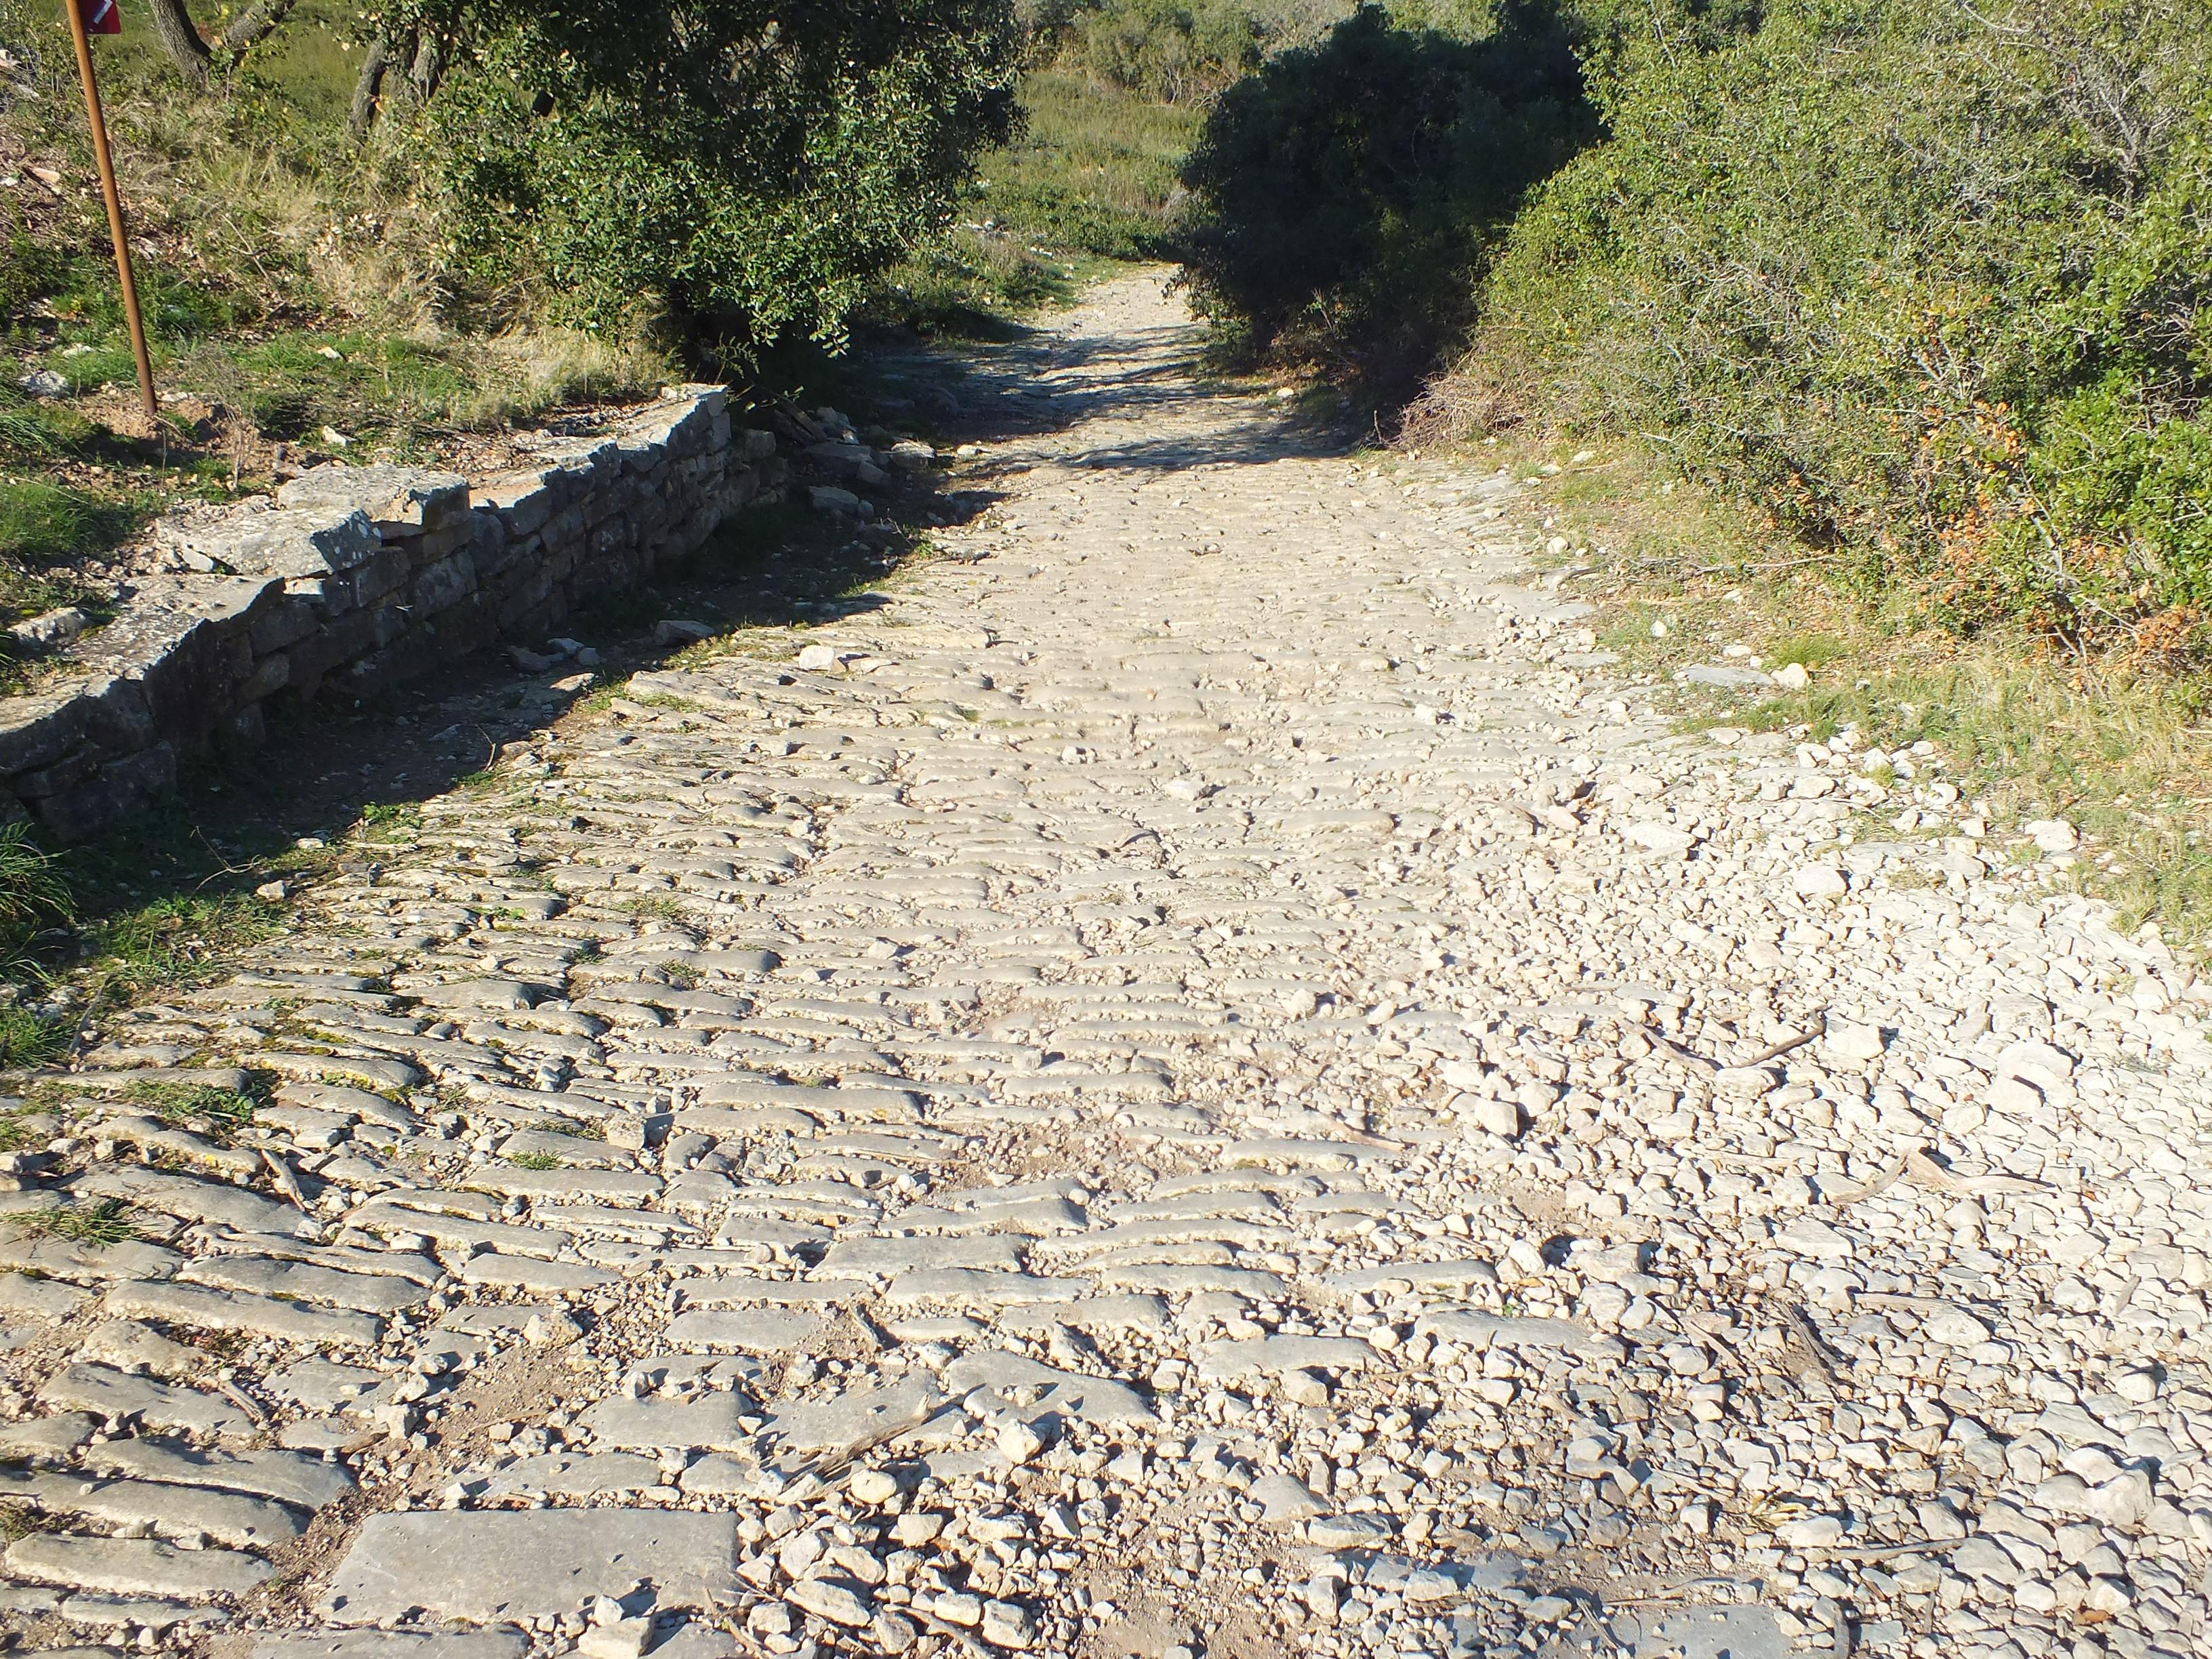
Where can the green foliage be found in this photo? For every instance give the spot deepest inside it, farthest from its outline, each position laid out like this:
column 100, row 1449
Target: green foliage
column 26, row 1040
column 32, row 890
column 43, row 523
column 1170, row 50
column 104, row 1222
column 219, row 1112
column 1927, row 284
column 539, row 1161
column 1346, row 196
column 745, row 166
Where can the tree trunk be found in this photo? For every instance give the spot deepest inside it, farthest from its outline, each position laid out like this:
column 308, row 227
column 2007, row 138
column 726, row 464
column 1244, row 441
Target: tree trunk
column 429, row 68
column 368, row 91
column 180, row 39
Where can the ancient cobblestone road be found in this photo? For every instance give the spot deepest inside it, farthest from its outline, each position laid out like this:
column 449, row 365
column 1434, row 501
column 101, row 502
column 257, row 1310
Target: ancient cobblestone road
column 1195, row 1081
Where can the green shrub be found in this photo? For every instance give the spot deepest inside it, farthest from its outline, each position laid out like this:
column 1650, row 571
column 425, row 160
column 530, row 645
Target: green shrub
column 1173, row 50
column 1346, row 195
column 744, row 169
column 1927, row 284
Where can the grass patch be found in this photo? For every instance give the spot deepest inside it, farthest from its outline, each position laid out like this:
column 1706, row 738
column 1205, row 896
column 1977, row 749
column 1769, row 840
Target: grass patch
column 98, row 1224
column 1090, row 180
column 539, row 1161
column 574, row 1129
column 1094, row 171
column 1811, row 650
column 216, row 1113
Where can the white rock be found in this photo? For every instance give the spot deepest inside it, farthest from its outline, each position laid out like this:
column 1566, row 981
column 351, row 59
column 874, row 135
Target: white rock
column 1792, row 676
column 1495, row 1117
column 1006, row 1624
column 1955, row 1327
column 818, row 658
column 1849, row 1039
column 2051, row 835
column 1018, row 1443
column 1820, row 881
column 2124, row 1501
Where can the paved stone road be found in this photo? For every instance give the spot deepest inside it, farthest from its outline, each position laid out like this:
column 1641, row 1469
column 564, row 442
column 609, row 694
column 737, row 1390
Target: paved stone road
column 1197, row 1081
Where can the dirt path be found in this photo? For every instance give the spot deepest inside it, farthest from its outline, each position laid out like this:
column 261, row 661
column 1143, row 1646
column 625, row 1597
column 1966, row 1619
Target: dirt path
column 1188, row 1078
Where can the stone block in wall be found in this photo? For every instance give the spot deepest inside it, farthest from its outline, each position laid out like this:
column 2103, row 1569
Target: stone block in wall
column 444, row 583
column 119, row 788
column 270, row 675
column 755, row 445
column 399, row 500
column 173, row 639
column 253, row 539
column 329, row 596
column 291, row 619
column 489, row 544
column 59, row 779
column 564, row 528
column 410, row 655
column 116, row 717
column 468, row 625
column 340, row 640
column 384, row 573
column 521, row 501
column 442, row 543
column 388, row 622
column 39, row 731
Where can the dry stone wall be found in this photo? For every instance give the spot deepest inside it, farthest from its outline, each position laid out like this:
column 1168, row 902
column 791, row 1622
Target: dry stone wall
column 352, row 579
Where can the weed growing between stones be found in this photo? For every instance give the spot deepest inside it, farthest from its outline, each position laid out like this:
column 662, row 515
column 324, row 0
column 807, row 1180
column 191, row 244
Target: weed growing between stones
column 104, row 1222
column 217, row 1114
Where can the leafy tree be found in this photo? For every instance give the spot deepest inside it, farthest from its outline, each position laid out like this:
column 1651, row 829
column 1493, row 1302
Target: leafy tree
column 1170, row 50
column 1346, row 195
column 189, row 51
column 743, row 165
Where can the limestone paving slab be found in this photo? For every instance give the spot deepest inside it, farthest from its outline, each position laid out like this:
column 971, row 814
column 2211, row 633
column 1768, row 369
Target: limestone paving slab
column 494, row 1567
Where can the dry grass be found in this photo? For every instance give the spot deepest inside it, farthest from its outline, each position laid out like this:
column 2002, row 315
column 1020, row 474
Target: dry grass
column 2122, row 750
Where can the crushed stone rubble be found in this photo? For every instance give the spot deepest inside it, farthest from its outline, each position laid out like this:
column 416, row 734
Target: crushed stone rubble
column 1202, row 1076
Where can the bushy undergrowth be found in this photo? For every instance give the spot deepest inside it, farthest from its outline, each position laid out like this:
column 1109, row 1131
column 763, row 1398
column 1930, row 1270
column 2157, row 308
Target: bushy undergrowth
column 1172, row 50
column 740, row 168
column 1345, row 197
column 1929, row 285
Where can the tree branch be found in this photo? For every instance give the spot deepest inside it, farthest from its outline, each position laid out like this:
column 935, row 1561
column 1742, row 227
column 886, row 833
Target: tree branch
column 255, row 25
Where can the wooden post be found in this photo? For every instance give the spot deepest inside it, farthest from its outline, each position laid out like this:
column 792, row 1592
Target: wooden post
column 76, row 8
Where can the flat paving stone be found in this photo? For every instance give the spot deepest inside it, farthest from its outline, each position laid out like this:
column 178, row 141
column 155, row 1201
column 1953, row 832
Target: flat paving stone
column 288, row 1476
column 492, row 1567
column 133, row 1566
column 394, row 1644
column 712, row 1423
